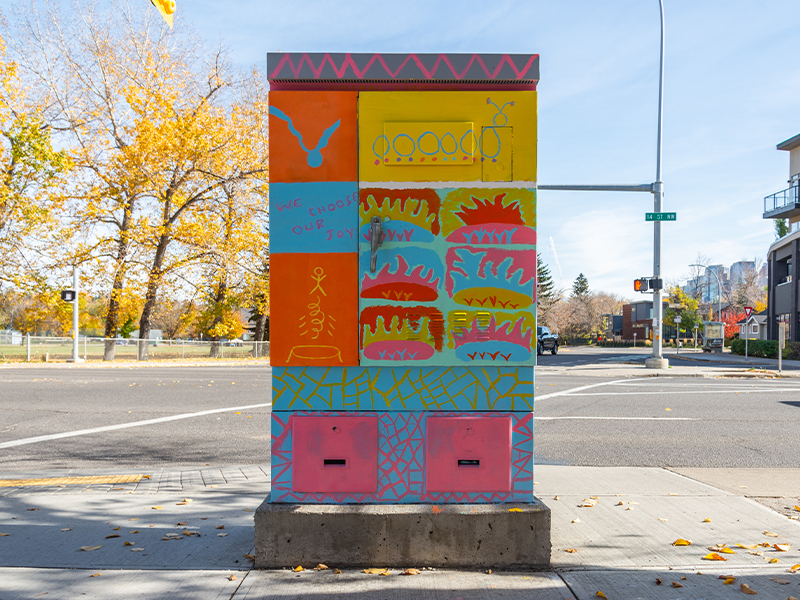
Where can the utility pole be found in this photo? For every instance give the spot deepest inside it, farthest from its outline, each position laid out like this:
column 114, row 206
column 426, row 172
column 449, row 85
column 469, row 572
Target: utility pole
column 75, row 314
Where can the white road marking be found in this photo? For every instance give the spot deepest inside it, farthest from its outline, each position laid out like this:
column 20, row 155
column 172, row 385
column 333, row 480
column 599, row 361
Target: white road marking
column 617, row 418
column 662, row 393
column 66, row 434
column 580, row 389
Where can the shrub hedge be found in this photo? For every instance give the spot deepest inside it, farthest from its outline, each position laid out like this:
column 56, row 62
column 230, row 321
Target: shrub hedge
column 766, row 349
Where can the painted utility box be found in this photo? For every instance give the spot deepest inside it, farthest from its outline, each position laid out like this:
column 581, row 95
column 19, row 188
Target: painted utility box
column 403, row 277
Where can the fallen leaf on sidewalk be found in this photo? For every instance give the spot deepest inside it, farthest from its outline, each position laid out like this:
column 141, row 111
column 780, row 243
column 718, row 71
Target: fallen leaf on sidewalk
column 221, row 534
column 249, row 557
column 386, row 573
column 232, row 578
column 748, row 546
column 675, row 584
column 707, row 520
column 782, row 547
column 90, row 548
column 555, row 497
column 172, row 538
column 793, row 569
column 729, row 580
column 658, row 581
column 620, row 504
column 781, row 581
column 134, row 531
column 115, row 529
column 771, row 534
column 629, row 508
column 298, row 568
column 514, row 510
column 410, row 572
column 375, row 571
column 157, row 507
column 337, row 572
column 182, row 524
column 747, row 589
column 129, row 544
column 134, row 519
column 660, row 519
column 713, row 556
column 771, row 561
column 575, row 520
column 137, row 549
column 113, row 535
column 95, row 575
column 600, row 594
column 682, row 542
column 33, row 509
column 797, row 508
column 65, row 529
column 188, row 500
column 8, row 534
column 755, row 552
column 321, row 567
column 216, row 526
column 571, row 550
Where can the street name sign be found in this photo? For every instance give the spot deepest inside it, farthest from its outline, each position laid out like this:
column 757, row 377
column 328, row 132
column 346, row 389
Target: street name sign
column 661, row 216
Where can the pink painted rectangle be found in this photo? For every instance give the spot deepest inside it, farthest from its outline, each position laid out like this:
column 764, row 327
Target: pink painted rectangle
column 335, row 454
column 468, row 454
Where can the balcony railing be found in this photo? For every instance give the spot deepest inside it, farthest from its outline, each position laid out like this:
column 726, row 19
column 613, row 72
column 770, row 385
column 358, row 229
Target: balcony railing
column 787, row 199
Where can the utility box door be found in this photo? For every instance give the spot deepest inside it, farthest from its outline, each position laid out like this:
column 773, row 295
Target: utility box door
column 339, row 454
column 468, row 454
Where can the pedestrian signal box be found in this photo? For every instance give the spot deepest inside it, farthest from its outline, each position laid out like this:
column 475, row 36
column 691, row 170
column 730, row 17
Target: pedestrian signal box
column 68, row 295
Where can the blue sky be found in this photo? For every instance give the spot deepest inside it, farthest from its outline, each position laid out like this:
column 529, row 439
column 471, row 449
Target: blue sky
column 732, row 92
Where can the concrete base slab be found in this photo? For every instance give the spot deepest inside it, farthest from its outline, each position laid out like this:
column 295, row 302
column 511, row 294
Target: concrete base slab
column 406, row 535
column 430, row 585
column 656, row 363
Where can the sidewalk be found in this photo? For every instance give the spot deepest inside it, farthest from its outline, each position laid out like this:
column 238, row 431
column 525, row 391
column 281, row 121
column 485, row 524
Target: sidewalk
column 189, row 534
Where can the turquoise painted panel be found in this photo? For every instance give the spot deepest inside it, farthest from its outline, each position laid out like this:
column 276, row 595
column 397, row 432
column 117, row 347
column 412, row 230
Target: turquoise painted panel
column 403, row 389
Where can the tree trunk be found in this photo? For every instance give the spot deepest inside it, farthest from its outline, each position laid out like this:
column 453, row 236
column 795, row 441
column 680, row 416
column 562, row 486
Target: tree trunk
column 153, row 284
column 258, row 335
column 219, row 299
column 112, row 317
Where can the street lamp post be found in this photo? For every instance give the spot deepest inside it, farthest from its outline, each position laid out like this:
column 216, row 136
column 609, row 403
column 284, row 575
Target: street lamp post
column 719, row 284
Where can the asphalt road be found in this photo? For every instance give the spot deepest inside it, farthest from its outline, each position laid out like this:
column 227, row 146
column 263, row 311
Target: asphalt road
column 676, row 422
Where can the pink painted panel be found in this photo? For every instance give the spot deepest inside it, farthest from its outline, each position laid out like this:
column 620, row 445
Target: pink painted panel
column 335, row 454
column 468, row 454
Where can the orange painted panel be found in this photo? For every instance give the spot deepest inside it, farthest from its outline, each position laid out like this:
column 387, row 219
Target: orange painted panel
column 313, row 136
column 314, row 309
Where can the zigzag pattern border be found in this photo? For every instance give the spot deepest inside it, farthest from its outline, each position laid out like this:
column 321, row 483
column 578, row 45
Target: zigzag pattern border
column 317, row 62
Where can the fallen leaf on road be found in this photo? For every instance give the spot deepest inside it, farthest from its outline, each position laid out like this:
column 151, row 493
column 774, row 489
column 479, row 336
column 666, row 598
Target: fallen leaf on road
column 221, row 534
column 33, row 509
column 374, row 571
column 113, row 535
column 188, row 500
column 713, row 556
column 115, row 529
column 129, row 544
column 576, row 520
column 629, row 508
column 771, row 534
column 436, row 510
column 321, row 567
column 772, row 561
column 781, row 581
column 747, row 589
column 182, row 524
column 683, row 578
column 65, row 529
column 410, row 572
column 172, row 538
column 232, row 578
column 707, row 520
column 620, row 504
column 748, row 546
column 134, row 531
column 600, row 594
column 729, row 580
column 585, row 505
column 660, row 519
column 658, row 581
column 216, row 526
column 157, row 507
column 794, row 569
column 137, row 549
column 145, row 476
column 781, row 547
column 134, row 519
column 571, row 550
column 95, row 575
column 248, row 510
column 675, row 584
column 682, row 542
column 514, row 510
column 249, row 557
column 90, row 548
column 555, row 497
column 755, row 552
column 337, row 572
column 386, row 573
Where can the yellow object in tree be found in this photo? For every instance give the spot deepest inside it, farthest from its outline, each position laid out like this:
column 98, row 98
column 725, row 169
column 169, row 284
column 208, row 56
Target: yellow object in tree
column 166, row 8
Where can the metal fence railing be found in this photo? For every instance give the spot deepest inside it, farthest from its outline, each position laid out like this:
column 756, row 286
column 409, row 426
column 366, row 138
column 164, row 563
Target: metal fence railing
column 788, row 197
column 32, row 348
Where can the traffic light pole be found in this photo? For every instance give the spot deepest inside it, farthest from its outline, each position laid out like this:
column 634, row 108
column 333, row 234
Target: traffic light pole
column 657, row 360
column 75, row 314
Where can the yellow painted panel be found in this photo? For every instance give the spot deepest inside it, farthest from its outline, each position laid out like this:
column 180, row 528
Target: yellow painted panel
column 496, row 150
column 492, row 109
column 87, row 480
column 426, row 144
